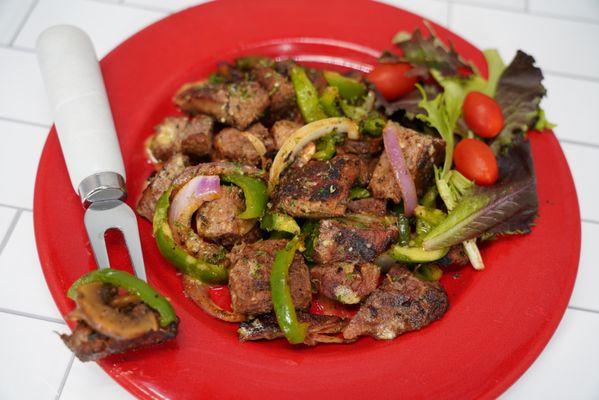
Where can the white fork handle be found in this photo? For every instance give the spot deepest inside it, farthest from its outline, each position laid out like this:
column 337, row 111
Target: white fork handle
column 77, row 95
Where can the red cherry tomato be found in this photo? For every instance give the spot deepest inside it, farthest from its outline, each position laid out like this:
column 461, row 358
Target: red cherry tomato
column 391, row 80
column 475, row 160
column 482, row 114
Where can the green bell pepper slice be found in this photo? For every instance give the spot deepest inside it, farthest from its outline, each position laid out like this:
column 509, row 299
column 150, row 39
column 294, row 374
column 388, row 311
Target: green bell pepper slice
column 183, row 261
column 432, row 216
column 254, row 191
column 133, row 285
column 357, row 193
column 403, row 226
column 328, row 101
column 349, row 89
column 325, row 148
column 416, row 255
column 294, row 331
column 306, row 95
column 428, row 272
column 280, row 223
column 373, row 124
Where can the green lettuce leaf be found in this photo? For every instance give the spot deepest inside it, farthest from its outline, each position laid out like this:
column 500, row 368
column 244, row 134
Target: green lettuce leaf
column 508, row 207
column 542, row 122
column 519, row 93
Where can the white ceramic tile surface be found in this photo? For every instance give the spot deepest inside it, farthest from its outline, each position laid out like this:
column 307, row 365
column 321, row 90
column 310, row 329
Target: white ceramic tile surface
column 12, row 14
column 584, row 163
column 586, row 9
column 23, row 287
column 569, row 102
column 22, row 95
column 88, row 381
column 568, row 367
column 107, row 24
column 21, row 158
column 34, row 359
column 586, row 295
column 558, row 45
column 566, row 48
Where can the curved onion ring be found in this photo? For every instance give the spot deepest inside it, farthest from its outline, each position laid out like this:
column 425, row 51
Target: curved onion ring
column 399, row 167
column 304, row 135
column 258, row 146
column 187, row 200
column 197, row 291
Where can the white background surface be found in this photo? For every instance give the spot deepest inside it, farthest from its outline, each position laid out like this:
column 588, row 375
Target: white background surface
column 562, row 35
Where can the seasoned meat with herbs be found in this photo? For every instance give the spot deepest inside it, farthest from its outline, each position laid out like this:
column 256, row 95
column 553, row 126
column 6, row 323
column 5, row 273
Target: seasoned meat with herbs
column 231, row 144
column 279, row 88
column 369, row 206
column 345, row 282
column 456, row 256
column 261, row 132
column 421, row 152
column 216, row 168
column 318, row 189
column 249, row 277
column 236, row 104
column 282, row 129
column 401, row 304
column 358, row 238
column 367, row 146
column 158, row 183
column 182, row 135
column 218, row 219
column 321, row 328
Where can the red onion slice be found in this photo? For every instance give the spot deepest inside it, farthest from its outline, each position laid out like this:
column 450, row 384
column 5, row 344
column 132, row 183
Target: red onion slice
column 399, row 167
column 187, row 200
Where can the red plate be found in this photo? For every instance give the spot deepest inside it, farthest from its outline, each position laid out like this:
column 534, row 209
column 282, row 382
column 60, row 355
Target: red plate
column 499, row 320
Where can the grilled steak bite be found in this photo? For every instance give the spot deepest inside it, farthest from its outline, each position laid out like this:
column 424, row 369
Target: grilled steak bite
column 421, row 152
column 158, row 183
column 261, row 132
column 249, row 277
column 110, row 322
column 456, row 256
column 216, row 168
column 353, row 240
column 318, row 189
column 217, row 219
column 279, row 89
column 345, row 282
column 231, row 144
column 182, row 135
column 370, row 206
column 365, row 147
column 282, row 129
column 401, row 304
column 321, row 328
column 236, row 104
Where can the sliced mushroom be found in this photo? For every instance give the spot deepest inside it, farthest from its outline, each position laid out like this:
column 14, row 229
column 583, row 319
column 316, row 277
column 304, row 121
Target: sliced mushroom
column 119, row 319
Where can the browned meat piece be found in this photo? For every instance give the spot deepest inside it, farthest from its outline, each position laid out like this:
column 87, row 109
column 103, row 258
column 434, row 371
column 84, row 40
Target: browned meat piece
column 369, row 206
column 182, row 135
column 279, row 88
column 249, row 277
column 345, row 282
column 321, row 328
column 421, row 153
column 317, row 79
column 456, row 256
column 367, row 146
column 216, row 168
column 359, row 239
column 366, row 168
column 282, row 129
column 401, row 304
column 217, row 219
column 236, row 104
column 318, row 189
column 89, row 345
column 260, row 131
column 231, row 144
column 158, row 183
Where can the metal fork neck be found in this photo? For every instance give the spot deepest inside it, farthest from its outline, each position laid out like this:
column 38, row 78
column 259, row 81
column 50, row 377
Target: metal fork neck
column 101, row 187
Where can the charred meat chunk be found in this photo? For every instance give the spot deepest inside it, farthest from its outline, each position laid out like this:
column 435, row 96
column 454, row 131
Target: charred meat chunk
column 367, row 146
column 237, row 104
column 182, row 135
column 218, row 219
column 357, row 239
column 159, row 183
column 249, row 277
column 321, row 328
column 369, row 206
column 282, row 129
column 279, row 88
column 345, row 282
column 109, row 322
column 421, row 152
column 456, row 256
column 318, row 189
column 401, row 304
column 231, row 144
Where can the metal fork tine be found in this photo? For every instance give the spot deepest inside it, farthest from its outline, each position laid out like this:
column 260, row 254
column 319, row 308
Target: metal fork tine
column 114, row 214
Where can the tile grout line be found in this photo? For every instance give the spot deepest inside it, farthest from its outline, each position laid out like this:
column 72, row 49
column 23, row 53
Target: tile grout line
column 527, row 6
column 449, row 13
column 63, row 382
column 9, row 231
column 20, row 121
column 16, row 207
column 589, row 221
column 579, row 143
column 32, row 316
column 138, row 6
column 23, row 22
column 583, row 309
column 571, row 75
